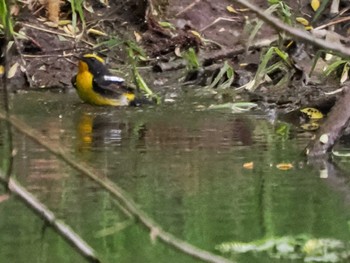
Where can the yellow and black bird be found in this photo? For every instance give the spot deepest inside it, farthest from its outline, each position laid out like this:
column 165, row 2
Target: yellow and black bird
column 97, row 86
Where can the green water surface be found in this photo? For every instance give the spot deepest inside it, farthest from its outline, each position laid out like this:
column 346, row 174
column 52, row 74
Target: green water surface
column 182, row 165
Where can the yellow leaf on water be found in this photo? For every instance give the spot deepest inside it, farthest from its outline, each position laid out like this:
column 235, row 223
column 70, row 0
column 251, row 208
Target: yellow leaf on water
column 2, row 70
column 302, row 21
column 284, row 166
column 312, row 113
column 315, row 4
column 249, row 165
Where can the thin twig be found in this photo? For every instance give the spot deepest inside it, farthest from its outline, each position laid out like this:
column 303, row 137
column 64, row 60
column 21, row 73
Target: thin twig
column 116, row 191
column 334, row 22
column 47, row 30
column 217, row 21
column 48, row 56
column 55, row 33
column 295, row 32
column 62, row 229
column 187, row 8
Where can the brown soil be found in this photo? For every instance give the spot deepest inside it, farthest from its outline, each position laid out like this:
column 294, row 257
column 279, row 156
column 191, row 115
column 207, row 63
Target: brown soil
column 47, row 54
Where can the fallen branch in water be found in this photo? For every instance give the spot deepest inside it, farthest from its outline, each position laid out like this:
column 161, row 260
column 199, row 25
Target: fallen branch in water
column 337, row 120
column 125, row 201
column 61, row 228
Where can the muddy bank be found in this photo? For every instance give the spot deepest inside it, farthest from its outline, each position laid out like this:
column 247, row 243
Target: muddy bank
column 218, row 32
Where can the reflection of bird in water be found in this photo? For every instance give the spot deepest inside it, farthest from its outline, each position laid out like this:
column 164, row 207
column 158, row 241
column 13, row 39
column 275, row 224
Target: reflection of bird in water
column 97, row 86
column 97, row 131
column 84, row 130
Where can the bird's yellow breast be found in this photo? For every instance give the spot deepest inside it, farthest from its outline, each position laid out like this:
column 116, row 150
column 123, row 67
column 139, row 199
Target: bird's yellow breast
column 84, row 85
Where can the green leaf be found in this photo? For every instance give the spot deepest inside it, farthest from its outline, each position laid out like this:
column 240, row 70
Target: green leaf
column 283, row 55
column 139, row 81
column 166, row 25
column 5, row 18
column 225, row 69
column 334, row 66
column 273, row 2
column 134, row 47
column 110, row 43
column 191, row 58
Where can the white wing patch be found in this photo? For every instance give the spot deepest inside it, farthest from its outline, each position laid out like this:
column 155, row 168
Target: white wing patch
column 113, row 78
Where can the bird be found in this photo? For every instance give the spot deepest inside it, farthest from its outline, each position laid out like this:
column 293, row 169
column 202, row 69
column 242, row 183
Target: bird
column 96, row 85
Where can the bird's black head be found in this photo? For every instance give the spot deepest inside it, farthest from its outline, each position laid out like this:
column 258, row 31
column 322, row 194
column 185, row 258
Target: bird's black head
column 93, row 63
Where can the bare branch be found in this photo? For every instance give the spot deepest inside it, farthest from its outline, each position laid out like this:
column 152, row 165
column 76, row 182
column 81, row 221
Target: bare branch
column 299, row 34
column 62, row 229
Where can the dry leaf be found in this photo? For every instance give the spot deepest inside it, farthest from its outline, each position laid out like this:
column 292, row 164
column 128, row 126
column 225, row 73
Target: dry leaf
column 51, row 24
column 284, row 166
column 93, row 31
column 41, row 19
column 14, row 10
column 344, row 74
column 309, row 28
column 64, row 22
column 12, row 71
column 324, row 138
column 177, row 52
column 328, row 57
column 249, row 165
column 70, row 30
column 9, row 45
column 195, row 33
column 105, row 2
column 138, row 36
column 302, row 21
column 2, row 70
column 231, row 9
column 315, row 4
column 88, row 7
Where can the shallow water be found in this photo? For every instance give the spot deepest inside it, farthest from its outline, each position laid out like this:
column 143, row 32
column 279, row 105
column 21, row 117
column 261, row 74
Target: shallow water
column 183, row 166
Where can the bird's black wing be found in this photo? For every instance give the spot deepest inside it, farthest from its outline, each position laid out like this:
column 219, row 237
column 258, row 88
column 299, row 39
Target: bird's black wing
column 109, row 86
